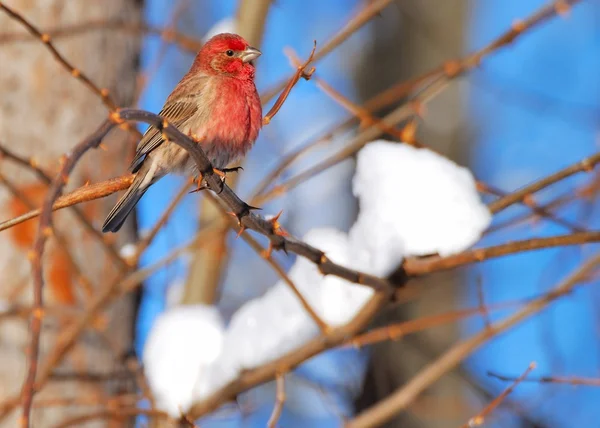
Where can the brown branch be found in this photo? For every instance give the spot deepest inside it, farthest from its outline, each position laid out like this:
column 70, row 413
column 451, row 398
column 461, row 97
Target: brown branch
column 399, row 330
column 420, row 266
column 355, row 23
column 75, row 72
column 44, row 231
column 279, row 401
column 46, row 40
column 403, row 397
column 584, row 165
column 111, row 414
column 529, row 202
column 77, row 196
column 568, row 380
column 32, row 165
column 168, row 35
column 300, row 72
column 480, row 418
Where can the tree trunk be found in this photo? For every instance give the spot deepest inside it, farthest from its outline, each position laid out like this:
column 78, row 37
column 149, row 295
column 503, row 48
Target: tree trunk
column 44, row 112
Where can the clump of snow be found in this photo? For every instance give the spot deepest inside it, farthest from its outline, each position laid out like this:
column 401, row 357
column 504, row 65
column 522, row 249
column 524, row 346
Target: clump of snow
column 414, row 201
column 181, row 346
column 335, row 300
column 270, row 326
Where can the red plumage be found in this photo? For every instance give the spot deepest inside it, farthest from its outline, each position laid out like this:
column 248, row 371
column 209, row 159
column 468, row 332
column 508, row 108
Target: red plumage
column 217, row 103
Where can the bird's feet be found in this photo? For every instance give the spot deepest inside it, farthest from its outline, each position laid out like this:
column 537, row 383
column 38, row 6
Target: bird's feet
column 223, row 172
column 220, row 172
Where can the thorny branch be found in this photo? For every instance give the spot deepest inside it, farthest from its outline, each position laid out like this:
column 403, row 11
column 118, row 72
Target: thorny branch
column 241, row 210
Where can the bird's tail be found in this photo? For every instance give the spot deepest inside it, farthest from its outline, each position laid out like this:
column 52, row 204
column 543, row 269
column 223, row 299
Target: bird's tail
column 125, row 205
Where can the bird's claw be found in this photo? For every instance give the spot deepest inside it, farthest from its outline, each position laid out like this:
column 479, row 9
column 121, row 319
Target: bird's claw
column 223, row 172
column 200, row 185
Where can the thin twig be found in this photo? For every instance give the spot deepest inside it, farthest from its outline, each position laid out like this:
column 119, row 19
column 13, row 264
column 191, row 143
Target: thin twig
column 419, row 266
column 399, row 330
column 568, row 380
column 33, row 166
column 279, row 401
column 300, row 72
column 354, row 24
column 480, row 418
column 584, row 165
column 46, row 39
column 82, row 194
column 168, row 35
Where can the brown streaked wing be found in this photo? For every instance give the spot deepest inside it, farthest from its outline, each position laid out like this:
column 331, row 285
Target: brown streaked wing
column 177, row 113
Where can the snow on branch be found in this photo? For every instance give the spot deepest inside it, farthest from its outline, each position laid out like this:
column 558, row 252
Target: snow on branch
column 416, row 202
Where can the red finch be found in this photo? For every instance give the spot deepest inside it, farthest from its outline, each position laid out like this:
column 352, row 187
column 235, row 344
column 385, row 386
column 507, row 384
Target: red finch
column 216, row 102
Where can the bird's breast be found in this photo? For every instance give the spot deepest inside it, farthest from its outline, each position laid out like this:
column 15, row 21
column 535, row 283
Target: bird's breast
column 234, row 116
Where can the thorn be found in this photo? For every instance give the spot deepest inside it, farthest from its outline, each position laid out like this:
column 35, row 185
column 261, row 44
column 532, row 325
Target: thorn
column 251, row 208
column 277, row 228
column 199, row 184
column 518, row 26
column 408, row 132
column 242, row 230
column 198, row 189
column 266, row 254
column 237, row 217
column 115, row 117
column 452, row 68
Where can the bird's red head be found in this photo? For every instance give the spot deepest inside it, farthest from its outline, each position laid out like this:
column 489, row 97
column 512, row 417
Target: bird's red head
column 227, row 54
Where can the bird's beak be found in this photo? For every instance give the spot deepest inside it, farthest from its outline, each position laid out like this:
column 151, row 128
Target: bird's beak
column 250, row 54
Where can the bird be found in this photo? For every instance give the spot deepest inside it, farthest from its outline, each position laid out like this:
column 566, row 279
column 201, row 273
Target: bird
column 216, row 103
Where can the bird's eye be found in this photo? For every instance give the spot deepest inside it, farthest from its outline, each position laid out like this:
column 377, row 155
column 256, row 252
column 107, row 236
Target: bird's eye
column 229, row 52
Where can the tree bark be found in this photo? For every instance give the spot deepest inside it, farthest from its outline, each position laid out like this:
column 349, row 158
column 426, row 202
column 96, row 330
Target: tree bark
column 44, row 111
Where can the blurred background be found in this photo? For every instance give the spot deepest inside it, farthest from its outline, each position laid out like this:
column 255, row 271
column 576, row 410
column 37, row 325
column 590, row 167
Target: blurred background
column 528, row 110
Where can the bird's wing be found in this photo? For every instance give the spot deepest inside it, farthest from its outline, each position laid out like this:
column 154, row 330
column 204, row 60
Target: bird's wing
column 176, row 113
